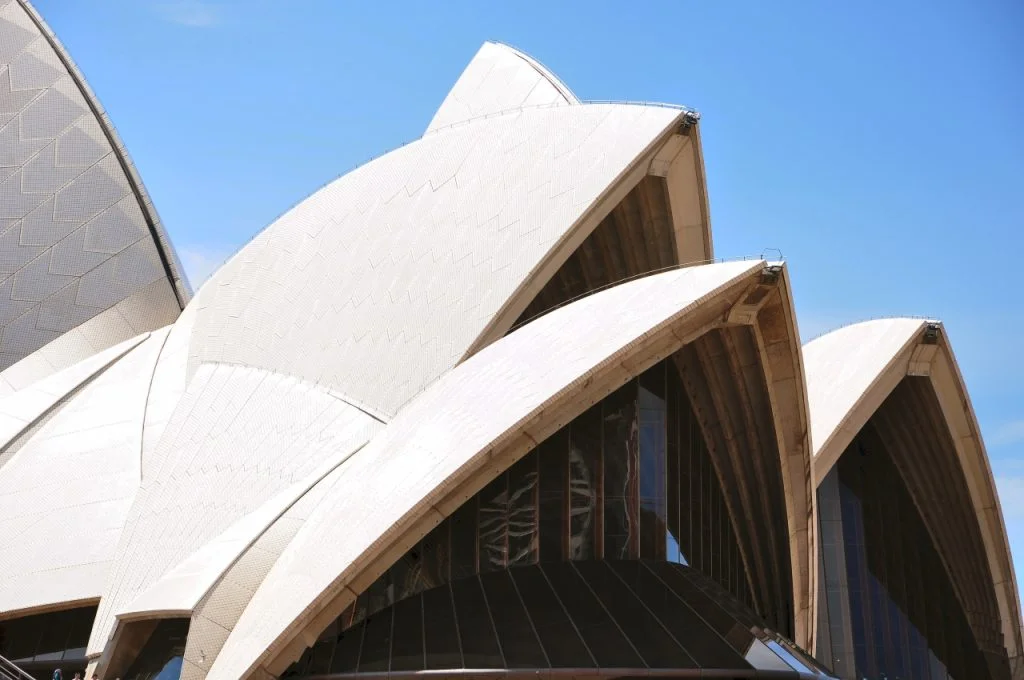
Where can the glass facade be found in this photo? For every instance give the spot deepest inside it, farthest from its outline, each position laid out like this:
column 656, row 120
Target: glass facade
column 890, row 610
column 163, row 654
column 579, row 617
column 608, row 503
column 43, row 642
column 629, row 479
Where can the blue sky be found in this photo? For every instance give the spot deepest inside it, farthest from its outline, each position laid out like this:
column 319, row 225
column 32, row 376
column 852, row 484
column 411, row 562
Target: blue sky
column 878, row 145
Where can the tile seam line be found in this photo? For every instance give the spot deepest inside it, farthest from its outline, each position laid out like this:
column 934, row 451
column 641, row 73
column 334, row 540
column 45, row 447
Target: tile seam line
column 149, row 394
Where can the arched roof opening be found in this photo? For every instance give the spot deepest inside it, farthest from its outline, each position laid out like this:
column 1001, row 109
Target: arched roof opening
column 702, row 298
column 898, row 380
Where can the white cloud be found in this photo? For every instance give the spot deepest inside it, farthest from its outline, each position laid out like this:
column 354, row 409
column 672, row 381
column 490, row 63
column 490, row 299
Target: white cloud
column 191, row 13
column 1007, row 433
column 200, row 262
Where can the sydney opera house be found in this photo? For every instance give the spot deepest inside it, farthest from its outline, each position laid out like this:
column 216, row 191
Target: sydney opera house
column 483, row 407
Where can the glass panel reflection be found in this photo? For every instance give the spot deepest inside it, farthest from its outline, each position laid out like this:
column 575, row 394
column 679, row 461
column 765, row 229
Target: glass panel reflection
column 629, row 478
column 161, row 657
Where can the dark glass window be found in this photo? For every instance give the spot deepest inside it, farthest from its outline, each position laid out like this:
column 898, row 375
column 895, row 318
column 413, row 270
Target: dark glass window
column 700, row 642
column 492, row 539
column 376, row 651
column 653, row 473
column 886, row 582
column 463, row 540
column 346, row 651
column 161, row 657
column 629, row 478
column 585, row 480
column 621, row 539
column 45, row 638
column 522, row 513
column 553, row 461
column 648, row 636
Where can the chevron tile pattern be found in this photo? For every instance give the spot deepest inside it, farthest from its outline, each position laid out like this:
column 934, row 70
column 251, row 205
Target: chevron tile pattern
column 382, row 280
column 238, row 436
column 74, row 238
column 457, row 425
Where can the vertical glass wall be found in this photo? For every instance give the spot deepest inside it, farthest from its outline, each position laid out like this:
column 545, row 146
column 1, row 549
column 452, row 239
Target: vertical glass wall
column 891, row 610
column 629, row 479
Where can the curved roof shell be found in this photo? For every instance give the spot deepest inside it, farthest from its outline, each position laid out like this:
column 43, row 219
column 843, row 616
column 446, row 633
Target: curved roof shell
column 350, row 304
column 237, row 438
column 65, row 493
column 78, row 233
column 465, row 428
column 389, row 276
column 500, row 78
column 851, row 373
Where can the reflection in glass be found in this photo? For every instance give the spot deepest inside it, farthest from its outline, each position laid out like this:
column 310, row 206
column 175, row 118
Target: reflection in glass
column 585, row 479
column 630, row 478
column 522, row 513
column 620, row 474
column 653, row 462
column 161, row 657
column 553, row 461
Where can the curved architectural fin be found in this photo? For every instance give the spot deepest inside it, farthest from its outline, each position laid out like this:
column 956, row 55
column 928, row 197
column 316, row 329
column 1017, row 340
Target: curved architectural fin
column 26, row 408
column 457, row 435
column 383, row 280
column 65, row 495
column 500, row 78
column 238, row 437
column 892, row 388
column 845, row 373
